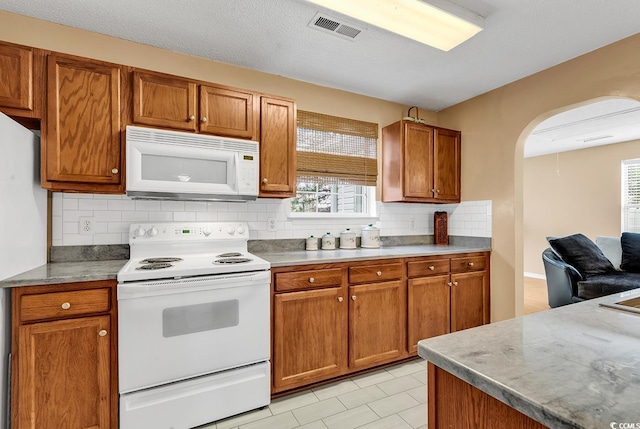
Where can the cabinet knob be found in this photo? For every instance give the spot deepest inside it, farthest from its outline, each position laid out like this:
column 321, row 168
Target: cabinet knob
column 433, row 189
column 340, row 299
column 432, row 267
column 379, row 273
column 191, row 117
column 65, row 306
column 455, row 283
column 102, row 333
column 311, row 280
column 470, row 264
column 203, row 119
column 265, row 181
column 450, row 284
column 437, row 191
column 114, row 170
column 353, row 297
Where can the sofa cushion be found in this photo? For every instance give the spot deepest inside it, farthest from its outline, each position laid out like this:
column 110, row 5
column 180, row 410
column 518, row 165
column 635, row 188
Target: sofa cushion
column 607, row 284
column 611, row 248
column 630, row 252
column 583, row 254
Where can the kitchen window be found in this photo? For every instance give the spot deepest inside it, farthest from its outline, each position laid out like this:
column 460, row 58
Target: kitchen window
column 337, row 166
column 631, row 195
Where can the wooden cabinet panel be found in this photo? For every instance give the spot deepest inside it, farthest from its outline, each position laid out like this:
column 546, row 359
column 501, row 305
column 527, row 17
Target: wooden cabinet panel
column 469, row 263
column 65, row 378
column 164, row 101
column 427, row 268
column 309, row 337
column 308, row 279
column 418, row 161
column 428, row 308
column 228, row 112
column 82, row 139
column 469, row 300
column 377, row 318
column 277, row 148
column 446, row 159
column 375, row 273
column 64, row 304
column 16, row 77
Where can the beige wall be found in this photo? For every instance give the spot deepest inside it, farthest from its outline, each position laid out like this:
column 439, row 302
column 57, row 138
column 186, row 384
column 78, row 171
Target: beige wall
column 576, row 191
column 494, row 125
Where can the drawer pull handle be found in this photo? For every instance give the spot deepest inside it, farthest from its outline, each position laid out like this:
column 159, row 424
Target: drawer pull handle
column 379, row 273
column 340, row 299
column 102, row 333
column 65, row 306
column 470, row 264
column 311, row 280
column 431, row 267
column 353, row 297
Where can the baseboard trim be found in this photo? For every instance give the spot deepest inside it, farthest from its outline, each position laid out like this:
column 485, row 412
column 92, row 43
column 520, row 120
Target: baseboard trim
column 535, row 276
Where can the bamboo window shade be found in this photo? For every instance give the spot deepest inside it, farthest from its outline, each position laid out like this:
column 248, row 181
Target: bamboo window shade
column 334, row 150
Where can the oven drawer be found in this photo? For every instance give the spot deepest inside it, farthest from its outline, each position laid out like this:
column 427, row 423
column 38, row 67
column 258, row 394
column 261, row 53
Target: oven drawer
column 59, row 305
column 375, row 273
column 331, row 277
column 471, row 263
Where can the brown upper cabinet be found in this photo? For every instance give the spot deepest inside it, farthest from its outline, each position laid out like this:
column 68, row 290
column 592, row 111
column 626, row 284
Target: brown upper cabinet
column 277, row 148
column 21, row 76
column 81, row 145
column 167, row 101
column 420, row 163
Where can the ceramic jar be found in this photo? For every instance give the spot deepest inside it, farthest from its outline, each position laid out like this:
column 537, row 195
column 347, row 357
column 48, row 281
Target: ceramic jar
column 347, row 239
column 328, row 241
column 370, row 237
column 312, row 243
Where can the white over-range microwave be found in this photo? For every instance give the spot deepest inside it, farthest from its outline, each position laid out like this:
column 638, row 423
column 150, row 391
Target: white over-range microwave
column 174, row 165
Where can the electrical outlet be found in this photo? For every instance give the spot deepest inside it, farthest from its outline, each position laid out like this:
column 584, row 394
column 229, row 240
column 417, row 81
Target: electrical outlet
column 413, row 223
column 271, row 224
column 86, row 225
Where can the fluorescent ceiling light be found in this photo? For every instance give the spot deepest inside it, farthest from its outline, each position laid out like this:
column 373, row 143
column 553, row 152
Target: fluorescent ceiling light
column 413, row 19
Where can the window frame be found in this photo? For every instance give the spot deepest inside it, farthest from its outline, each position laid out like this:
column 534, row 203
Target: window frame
column 624, row 188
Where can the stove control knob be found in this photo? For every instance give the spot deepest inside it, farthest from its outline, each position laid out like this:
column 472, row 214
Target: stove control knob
column 206, row 231
column 140, row 232
column 153, row 232
column 241, row 230
column 231, row 230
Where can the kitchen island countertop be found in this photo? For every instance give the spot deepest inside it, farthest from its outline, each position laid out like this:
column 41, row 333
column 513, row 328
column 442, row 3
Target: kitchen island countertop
column 576, row 366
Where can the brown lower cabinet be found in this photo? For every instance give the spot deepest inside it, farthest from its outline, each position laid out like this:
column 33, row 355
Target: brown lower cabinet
column 64, row 356
column 330, row 320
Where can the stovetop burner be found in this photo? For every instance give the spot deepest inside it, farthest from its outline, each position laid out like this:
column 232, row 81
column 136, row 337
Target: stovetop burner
column 159, row 260
column 229, row 255
column 154, row 266
column 231, row 260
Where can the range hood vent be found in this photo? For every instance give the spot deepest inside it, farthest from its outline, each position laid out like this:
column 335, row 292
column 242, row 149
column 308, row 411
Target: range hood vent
column 332, row 25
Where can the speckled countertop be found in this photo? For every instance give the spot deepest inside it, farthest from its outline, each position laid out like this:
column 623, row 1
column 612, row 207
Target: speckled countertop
column 576, row 366
column 66, row 272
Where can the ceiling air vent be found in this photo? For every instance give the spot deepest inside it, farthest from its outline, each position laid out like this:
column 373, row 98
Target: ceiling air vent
column 329, row 24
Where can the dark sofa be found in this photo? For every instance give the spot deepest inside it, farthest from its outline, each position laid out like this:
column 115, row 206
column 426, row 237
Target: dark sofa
column 576, row 269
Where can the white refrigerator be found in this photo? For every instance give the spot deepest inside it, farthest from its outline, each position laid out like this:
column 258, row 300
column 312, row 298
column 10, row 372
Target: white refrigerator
column 23, row 226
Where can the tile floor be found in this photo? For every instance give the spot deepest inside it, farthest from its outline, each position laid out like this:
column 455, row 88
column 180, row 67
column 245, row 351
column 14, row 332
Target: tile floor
column 392, row 398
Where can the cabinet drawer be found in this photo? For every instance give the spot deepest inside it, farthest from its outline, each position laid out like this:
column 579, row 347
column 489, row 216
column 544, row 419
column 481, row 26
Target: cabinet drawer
column 427, row 268
column 59, row 305
column 308, row 279
column 470, row 263
column 375, row 273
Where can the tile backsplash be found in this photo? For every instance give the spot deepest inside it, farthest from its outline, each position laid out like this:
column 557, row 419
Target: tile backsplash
column 112, row 215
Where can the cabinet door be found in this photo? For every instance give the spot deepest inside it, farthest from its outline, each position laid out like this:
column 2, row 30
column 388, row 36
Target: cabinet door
column 446, row 172
column 227, row 112
column 64, row 375
column 428, row 309
column 377, row 319
column 418, row 161
column 309, row 337
column 16, row 77
column 82, row 140
column 469, row 300
column 164, row 101
column 277, row 148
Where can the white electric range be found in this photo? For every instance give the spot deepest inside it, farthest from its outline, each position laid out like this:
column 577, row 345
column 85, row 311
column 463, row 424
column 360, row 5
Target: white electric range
column 193, row 321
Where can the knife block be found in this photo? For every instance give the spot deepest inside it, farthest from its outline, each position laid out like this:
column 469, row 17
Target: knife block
column 440, row 228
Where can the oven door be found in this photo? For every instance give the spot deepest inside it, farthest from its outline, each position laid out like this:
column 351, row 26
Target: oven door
column 177, row 329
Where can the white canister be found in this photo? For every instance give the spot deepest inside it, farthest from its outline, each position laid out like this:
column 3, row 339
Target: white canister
column 312, row 243
column 328, row 241
column 370, row 237
column 347, row 239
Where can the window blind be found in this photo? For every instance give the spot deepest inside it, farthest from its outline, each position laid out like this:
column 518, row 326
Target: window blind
column 631, row 195
column 336, row 150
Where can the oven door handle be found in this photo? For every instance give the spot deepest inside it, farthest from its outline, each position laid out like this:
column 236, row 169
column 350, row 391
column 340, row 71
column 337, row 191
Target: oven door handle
column 191, row 284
